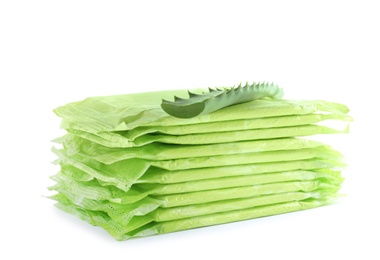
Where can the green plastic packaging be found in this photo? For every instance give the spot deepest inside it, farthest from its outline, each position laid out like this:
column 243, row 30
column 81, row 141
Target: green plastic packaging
column 130, row 168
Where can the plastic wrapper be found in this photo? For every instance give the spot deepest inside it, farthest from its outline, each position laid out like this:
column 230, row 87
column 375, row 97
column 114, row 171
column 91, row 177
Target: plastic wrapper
column 218, row 132
column 135, row 171
column 127, row 112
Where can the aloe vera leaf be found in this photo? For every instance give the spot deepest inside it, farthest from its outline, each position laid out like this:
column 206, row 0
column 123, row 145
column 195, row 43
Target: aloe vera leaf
column 216, row 99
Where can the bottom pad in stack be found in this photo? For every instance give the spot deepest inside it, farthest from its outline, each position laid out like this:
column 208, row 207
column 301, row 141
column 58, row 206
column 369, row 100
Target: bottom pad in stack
column 132, row 169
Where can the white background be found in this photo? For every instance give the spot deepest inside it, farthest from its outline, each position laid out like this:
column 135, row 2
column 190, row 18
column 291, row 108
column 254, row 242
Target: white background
column 54, row 52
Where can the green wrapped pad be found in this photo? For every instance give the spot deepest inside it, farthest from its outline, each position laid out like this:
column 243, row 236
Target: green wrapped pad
column 120, row 232
column 135, row 171
column 226, row 131
column 127, row 112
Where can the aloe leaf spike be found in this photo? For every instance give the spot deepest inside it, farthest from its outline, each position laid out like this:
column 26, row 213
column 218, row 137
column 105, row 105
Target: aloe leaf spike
column 218, row 98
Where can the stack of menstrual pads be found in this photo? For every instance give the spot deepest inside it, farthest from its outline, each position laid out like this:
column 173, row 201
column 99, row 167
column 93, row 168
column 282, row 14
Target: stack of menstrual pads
column 130, row 168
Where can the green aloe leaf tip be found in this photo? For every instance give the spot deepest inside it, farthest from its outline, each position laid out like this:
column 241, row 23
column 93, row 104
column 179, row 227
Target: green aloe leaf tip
column 218, row 98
